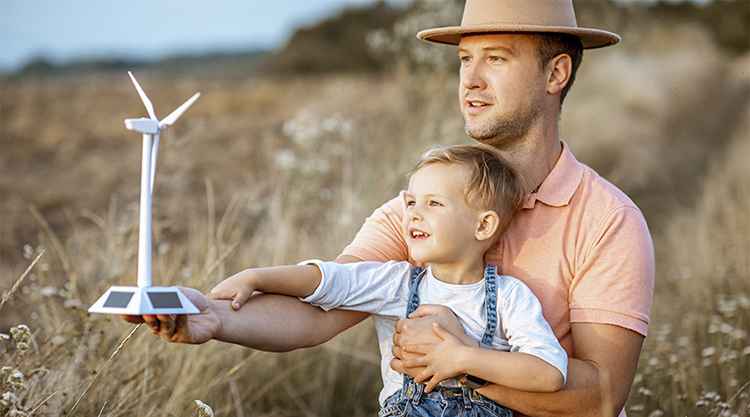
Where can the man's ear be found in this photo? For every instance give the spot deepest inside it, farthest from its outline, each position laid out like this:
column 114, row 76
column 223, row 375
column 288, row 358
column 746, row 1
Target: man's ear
column 489, row 221
column 560, row 68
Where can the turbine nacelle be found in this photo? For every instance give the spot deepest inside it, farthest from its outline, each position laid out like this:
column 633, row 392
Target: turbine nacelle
column 143, row 125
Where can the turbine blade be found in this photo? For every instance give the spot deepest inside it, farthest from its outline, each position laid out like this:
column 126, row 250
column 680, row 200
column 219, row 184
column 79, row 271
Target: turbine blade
column 167, row 121
column 144, row 97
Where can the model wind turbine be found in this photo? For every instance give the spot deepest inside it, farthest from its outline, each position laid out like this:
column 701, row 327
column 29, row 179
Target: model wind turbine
column 145, row 299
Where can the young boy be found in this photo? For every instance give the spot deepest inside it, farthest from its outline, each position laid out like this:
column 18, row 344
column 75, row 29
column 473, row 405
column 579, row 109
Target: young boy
column 459, row 201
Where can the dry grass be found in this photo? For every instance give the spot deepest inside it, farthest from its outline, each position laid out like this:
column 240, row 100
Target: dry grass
column 665, row 126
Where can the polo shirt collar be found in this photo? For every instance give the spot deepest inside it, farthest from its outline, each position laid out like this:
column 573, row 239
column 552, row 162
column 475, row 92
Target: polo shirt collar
column 561, row 183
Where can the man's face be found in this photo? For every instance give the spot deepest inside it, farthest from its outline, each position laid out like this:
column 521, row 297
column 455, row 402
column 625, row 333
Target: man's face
column 502, row 89
column 438, row 226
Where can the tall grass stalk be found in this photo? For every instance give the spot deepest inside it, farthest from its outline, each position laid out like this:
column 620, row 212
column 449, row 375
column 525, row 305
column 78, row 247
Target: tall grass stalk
column 135, row 329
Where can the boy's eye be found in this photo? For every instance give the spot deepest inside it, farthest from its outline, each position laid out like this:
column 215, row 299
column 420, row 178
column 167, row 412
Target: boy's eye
column 410, row 203
column 435, row 203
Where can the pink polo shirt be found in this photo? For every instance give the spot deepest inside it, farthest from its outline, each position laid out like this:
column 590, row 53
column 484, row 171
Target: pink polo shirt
column 579, row 243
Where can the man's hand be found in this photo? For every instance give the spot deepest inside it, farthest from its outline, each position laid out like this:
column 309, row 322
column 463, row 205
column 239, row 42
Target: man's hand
column 184, row 328
column 418, row 330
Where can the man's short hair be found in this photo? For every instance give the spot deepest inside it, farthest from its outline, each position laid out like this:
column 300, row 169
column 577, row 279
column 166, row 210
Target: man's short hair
column 550, row 45
column 492, row 183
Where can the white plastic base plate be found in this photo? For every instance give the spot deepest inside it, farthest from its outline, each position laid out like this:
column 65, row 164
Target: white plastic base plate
column 136, row 301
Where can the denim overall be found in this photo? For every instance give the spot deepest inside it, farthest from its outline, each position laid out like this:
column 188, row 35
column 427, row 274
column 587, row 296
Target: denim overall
column 411, row 400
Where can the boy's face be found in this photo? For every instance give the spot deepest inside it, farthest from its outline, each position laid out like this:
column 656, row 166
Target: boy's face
column 439, row 227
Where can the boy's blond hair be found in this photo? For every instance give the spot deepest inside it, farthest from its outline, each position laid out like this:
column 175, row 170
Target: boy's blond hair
column 492, row 183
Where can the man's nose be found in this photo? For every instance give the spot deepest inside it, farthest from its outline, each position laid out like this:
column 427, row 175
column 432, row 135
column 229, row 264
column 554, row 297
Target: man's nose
column 472, row 76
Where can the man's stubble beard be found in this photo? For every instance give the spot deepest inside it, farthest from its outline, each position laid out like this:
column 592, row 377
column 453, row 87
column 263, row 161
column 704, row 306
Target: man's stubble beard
column 506, row 132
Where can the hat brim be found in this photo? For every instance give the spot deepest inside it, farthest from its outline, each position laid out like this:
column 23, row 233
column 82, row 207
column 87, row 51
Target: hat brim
column 590, row 38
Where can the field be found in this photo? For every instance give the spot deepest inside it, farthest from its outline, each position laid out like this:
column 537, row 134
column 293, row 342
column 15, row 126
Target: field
column 267, row 170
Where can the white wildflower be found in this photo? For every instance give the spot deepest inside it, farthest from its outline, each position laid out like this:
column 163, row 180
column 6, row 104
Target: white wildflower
column 20, row 333
column 204, row 409
column 7, row 400
column 726, row 328
column 15, row 379
column 709, row 351
column 28, row 251
column 4, row 337
column 656, row 413
column 73, row 303
column 284, row 159
column 636, row 408
column 48, row 291
column 645, row 392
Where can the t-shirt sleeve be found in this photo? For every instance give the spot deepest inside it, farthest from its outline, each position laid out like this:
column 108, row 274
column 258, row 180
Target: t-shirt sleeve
column 525, row 327
column 371, row 287
column 380, row 238
column 615, row 283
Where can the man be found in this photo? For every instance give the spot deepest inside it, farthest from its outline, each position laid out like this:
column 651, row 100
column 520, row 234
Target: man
column 579, row 243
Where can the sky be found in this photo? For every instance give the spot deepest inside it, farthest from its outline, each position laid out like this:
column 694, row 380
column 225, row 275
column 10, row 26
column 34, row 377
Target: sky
column 62, row 31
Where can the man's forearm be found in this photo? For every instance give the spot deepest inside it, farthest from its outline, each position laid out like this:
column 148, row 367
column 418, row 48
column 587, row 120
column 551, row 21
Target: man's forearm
column 280, row 323
column 599, row 378
column 583, row 395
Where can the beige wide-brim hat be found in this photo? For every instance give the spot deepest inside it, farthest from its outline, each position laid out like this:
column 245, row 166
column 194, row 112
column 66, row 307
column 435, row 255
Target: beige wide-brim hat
column 519, row 16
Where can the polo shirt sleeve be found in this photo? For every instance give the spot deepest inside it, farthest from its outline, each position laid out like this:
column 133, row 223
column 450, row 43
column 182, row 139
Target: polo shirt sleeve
column 381, row 239
column 615, row 282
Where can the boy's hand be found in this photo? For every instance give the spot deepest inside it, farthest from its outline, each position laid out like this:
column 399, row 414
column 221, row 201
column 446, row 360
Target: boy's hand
column 183, row 328
column 236, row 288
column 438, row 360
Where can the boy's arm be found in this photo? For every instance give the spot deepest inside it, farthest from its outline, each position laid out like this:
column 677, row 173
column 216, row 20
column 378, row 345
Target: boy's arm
column 451, row 358
column 293, row 280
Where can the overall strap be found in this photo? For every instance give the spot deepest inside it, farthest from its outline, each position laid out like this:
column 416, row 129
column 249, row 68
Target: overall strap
column 412, row 304
column 490, row 300
column 416, row 276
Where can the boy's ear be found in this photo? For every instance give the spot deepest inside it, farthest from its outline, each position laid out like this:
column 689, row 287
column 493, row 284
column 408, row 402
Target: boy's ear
column 489, row 221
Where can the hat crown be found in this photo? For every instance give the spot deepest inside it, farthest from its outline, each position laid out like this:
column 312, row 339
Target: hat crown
column 519, row 16
column 551, row 13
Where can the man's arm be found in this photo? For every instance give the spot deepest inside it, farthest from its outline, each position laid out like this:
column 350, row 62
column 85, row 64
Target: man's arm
column 256, row 325
column 600, row 375
column 600, row 372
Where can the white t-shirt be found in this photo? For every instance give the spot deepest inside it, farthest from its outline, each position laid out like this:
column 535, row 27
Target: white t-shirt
column 382, row 289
